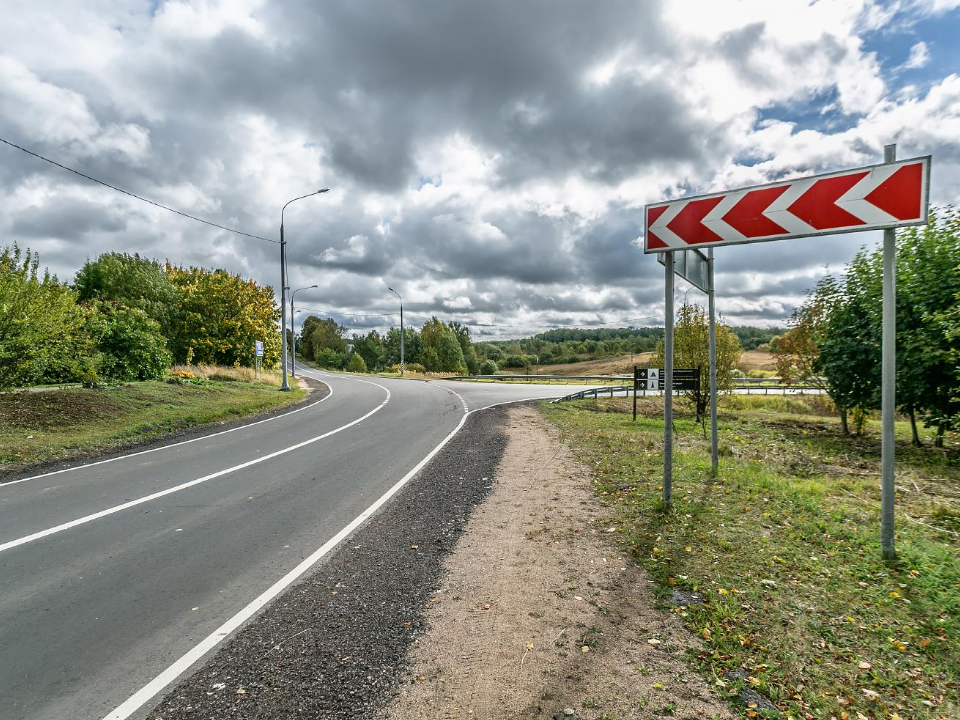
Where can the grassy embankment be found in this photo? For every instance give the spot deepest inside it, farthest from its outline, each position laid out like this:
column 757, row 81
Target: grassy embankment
column 38, row 427
column 784, row 548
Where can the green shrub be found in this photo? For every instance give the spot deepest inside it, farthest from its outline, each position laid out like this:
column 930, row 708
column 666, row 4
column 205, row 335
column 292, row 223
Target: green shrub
column 409, row 367
column 330, row 359
column 489, row 367
column 130, row 344
column 356, row 364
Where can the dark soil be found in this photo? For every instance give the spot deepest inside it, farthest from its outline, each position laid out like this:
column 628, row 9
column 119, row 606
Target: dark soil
column 334, row 646
column 51, row 410
column 57, row 410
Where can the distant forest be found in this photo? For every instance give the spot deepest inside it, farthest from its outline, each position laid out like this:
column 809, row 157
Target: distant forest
column 571, row 345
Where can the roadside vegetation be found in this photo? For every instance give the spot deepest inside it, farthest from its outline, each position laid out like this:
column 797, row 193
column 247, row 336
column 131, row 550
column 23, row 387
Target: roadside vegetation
column 50, row 425
column 834, row 336
column 126, row 318
column 783, row 548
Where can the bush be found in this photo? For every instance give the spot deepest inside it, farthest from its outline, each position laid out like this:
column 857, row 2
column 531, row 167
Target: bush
column 410, row 367
column 489, row 367
column 356, row 364
column 330, row 359
column 130, row 344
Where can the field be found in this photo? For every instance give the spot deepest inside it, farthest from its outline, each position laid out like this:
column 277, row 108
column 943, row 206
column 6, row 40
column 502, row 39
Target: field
column 39, row 427
column 623, row 365
column 783, row 549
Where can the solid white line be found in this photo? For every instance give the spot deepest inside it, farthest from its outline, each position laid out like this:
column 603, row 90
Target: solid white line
column 172, row 445
column 147, row 498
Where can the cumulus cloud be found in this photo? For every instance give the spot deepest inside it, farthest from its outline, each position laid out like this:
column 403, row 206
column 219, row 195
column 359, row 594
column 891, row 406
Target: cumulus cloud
column 490, row 162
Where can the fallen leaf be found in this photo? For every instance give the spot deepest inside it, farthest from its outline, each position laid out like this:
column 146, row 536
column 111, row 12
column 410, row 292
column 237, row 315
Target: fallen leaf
column 925, row 642
column 653, row 641
column 706, row 633
column 529, row 646
column 241, row 691
column 485, row 606
column 585, row 649
column 870, row 694
column 864, row 665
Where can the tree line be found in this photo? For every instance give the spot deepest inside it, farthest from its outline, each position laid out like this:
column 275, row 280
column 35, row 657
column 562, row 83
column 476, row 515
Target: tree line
column 436, row 347
column 835, row 335
column 124, row 318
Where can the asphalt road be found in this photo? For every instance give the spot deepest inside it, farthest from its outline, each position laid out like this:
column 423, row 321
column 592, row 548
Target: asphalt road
column 111, row 572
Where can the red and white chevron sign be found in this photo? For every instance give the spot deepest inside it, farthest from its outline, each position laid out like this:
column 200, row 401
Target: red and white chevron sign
column 880, row 196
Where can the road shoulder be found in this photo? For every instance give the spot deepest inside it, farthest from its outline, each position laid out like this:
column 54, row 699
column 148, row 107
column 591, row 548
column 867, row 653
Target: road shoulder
column 538, row 612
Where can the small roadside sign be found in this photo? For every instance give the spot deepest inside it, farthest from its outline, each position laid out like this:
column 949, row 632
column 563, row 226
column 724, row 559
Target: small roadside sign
column 653, row 378
column 258, row 347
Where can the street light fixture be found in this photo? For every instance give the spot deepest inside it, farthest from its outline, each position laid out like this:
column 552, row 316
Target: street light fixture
column 401, row 326
column 283, row 289
column 293, row 337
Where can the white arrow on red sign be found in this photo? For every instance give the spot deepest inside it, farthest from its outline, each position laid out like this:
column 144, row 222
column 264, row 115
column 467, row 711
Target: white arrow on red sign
column 879, row 196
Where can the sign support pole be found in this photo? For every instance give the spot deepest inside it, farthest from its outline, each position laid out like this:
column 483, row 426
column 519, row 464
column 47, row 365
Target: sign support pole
column 711, row 295
column 889, row 387
column 667, row 384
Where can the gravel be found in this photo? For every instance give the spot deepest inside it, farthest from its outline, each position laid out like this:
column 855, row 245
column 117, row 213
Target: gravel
column 335, row 645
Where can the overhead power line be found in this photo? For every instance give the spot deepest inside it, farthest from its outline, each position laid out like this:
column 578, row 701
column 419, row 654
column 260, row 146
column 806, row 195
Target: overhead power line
column 133, row 195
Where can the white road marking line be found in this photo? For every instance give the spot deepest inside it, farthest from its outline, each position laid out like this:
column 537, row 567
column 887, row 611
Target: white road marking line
column 172, row 445
column 155, row 686
column 147, row 498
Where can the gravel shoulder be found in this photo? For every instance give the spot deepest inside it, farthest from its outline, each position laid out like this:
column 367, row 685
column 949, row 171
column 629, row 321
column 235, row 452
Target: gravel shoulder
column 538, row 612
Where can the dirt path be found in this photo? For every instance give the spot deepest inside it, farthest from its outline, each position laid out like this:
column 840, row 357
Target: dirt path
column 538, row 612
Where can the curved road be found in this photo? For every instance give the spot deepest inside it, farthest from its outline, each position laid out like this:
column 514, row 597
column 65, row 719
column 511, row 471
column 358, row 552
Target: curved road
column 111, row 572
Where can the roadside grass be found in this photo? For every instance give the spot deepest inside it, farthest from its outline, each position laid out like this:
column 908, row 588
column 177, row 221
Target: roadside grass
column 784, row 548
column 38, row 427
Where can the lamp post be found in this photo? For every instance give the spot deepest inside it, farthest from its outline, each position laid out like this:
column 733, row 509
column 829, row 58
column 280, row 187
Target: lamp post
column 293, row 337
column 401, row 326
column 283, row 290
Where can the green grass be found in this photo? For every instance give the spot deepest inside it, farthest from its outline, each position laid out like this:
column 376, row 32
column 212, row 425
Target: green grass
column 784, row 546
column 62, row 424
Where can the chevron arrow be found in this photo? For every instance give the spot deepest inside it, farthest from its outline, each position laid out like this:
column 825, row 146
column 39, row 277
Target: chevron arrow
column 880, row 196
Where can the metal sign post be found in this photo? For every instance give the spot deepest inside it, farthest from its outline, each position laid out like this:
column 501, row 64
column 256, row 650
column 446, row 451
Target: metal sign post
column 258, row 359
column 888, row 400
column 697, row 269
column 668, row 385
column 711, row 295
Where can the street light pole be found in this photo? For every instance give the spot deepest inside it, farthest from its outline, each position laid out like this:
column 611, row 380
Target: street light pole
column 283, row 290
column 401, row 326
column 293, row 337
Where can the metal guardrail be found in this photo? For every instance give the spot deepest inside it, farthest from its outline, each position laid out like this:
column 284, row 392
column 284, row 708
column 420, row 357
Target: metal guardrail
column 610, row 391
column 747, row 384
column 615, row 390
column 511, row 376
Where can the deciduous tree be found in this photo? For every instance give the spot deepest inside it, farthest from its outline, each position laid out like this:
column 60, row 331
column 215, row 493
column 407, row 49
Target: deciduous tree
column 222, row 316
column 691, row 349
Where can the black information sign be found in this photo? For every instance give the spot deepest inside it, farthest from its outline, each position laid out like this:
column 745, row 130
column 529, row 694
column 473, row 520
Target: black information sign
column 652, row 378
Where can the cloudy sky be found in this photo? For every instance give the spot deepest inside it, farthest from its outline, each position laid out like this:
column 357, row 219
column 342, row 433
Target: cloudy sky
column 489, row 160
